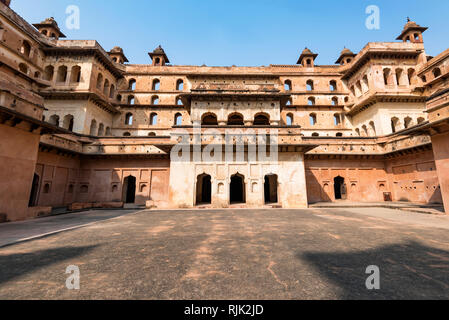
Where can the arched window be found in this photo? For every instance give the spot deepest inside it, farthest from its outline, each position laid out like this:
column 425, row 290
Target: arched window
column 400, row 80
column 153, row 119
column 365, row 84
column 288, row 85
column 129, row 119
column 156, row 85
column 372, row 129
column 333, row 85
column 75, row 74
column 23, row 68
column 119, row 98
column 309, row 85
column 235, row 119
column 315, row 134
column 101, row 130
column 357, row 130
column 311, row 101
column 209, row 119
column 420, row 120
column 334, row 101
column 289, row 119
column 339, row 134
column 62, row 74
column 151, row 134
column 407, row 122
column 179, row 101
column 108, row 131
column 93, row 127
column 132, row 84
column 37, row 74
column 99, row 81
column 155, row 100
column 387, row 77
column 68, row 122
column 394, row 124
column 289, row 102
column 178, row 119
column 54, row 120
column 112, row 92
column 49, row 73
column 411, row 76
column 127, row 134
column 365, row 131
column 436, row 72
column 131, row 100
column 261, row 119
column 180, row 85
column 25, row 49
column 106, row 87
column 337, row 119
column 312, row 119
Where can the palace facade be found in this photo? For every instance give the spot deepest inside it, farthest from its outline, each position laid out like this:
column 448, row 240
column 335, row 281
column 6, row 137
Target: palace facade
column 81, row 127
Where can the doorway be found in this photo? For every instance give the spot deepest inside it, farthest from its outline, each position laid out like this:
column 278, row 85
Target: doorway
column 237, row 189
column 129, row 188
column 34, row 191
column 271, row 188
column 204, row 189
column 340, row 188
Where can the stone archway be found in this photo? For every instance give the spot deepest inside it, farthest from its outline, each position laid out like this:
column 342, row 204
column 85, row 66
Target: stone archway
column 129, row 189
column 340, row 188
column 237, row 189
column 204, row 189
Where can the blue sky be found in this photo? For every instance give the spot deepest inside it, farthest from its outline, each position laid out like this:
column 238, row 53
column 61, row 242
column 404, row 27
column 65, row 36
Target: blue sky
column 241, row 32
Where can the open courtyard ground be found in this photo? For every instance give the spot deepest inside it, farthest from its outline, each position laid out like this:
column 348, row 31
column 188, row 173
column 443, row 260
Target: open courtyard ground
column 320, row 253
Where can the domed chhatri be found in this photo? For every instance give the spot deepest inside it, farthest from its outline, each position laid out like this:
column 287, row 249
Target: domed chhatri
column 412, row 32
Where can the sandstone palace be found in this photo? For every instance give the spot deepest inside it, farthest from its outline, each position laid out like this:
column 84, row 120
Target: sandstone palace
column 81, row 127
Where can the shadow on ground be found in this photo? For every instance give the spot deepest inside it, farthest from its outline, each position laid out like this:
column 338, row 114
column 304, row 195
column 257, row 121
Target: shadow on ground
column 407, row 271
column 19, row 264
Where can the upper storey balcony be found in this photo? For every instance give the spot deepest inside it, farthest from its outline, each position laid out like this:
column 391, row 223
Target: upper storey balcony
column 384, row 71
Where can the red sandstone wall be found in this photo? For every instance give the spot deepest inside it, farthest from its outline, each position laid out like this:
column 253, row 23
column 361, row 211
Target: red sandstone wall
column 441, row 151
column 366, row 180
column 58, row 179
column 18, row 153
column 414, row 178
column 104, row 179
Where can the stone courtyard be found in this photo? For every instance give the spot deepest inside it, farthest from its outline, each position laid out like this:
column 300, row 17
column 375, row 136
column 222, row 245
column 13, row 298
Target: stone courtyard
column 319, row 253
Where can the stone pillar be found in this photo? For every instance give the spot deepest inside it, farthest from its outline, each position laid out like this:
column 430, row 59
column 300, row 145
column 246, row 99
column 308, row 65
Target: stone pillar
column 440, row 144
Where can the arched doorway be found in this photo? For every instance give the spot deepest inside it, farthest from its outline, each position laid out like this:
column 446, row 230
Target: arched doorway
column 204, row 189
column 340, row 188
column 271, row 188
column 237, row 189
column 129, row 189
column 34, row 191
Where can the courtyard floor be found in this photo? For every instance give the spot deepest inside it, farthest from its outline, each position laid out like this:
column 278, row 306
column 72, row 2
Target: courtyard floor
column 320, row 253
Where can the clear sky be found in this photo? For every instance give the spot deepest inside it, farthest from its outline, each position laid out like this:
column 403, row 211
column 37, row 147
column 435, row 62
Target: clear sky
column 240, row 32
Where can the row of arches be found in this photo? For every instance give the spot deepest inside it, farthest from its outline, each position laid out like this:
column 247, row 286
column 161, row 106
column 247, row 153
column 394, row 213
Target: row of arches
column 399, row 77
column 156, row 85
column 99, row 129
column 311, row 101
column 67, row 122
column 407, row 122
column 154, row 100
column 235, row 119
column 62, row 74
column 310, row 85
column 367, row 130
column 177, row 120
column 237, row 189
column 105, row 86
